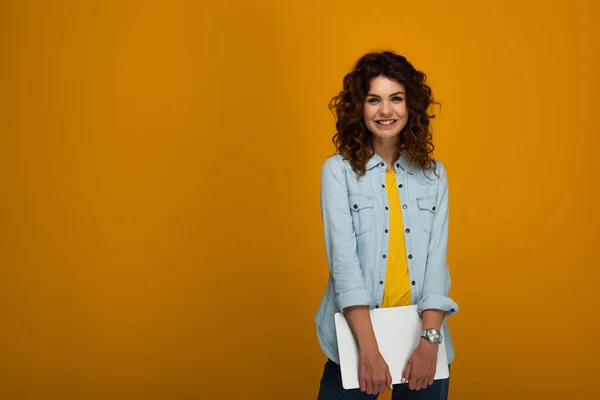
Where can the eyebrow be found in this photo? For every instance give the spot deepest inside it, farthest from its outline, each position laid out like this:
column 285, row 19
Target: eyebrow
column 393, row 94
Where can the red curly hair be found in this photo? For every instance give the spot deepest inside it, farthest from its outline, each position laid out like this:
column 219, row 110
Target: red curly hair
column 354, row 141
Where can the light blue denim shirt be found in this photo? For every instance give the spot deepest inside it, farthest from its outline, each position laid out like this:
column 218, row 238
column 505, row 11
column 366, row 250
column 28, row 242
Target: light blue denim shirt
column 355, row 219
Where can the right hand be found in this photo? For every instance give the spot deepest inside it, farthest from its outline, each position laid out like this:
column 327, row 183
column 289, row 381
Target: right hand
column 373, row 373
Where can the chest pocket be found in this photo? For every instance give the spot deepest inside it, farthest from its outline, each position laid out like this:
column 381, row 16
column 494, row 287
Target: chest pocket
column 361, row 207
column 426, row 211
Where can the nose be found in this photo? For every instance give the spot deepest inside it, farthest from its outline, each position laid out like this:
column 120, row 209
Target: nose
column 385, row 109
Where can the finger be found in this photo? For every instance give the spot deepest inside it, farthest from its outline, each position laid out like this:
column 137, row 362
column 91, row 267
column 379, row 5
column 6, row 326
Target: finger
column 369, row 386
column 406, row 372
column 431, row 379
column 419, row 384
column 425, row 383
column 376, row 388
column 415, row 378
column 388, row 380
column 362, row 382
column 412, row 384
column 411, row 378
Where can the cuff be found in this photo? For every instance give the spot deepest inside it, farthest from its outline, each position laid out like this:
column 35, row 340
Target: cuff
column 437, row 302
column 354, row 298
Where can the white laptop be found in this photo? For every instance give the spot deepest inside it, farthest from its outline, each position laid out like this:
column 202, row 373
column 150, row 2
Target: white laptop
column 398, row 331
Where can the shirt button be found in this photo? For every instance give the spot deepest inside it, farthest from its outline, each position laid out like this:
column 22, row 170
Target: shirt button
column 355, row 206
column 383, row 186
column 387, row 208
column 386, row 231
column 381, row 282
column 376, row 306
column 382, row 164
column 404, row 206
column 397, row 165
column 433, row 208
column 400, row 186
column 410, row 257
column 407, row 230
column 384, row 256
column 413, row 283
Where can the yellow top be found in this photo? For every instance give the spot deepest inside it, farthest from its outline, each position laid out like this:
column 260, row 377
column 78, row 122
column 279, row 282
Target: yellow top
column 397, row 290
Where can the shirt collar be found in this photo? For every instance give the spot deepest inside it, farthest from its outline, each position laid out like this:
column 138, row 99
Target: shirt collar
column 402, row 162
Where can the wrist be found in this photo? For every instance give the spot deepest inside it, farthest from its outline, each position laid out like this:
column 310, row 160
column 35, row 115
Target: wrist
column 426, row 347
column 432, row 335
column 427, row 343
column 368, row 349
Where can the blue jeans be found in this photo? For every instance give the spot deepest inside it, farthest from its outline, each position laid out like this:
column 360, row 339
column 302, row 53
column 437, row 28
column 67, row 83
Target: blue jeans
column 331, row 388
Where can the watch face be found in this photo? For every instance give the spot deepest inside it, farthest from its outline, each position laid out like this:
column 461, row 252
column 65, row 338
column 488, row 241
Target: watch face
column 433, row 335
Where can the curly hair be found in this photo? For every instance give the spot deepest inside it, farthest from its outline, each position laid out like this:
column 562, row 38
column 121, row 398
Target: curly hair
column 354, row 141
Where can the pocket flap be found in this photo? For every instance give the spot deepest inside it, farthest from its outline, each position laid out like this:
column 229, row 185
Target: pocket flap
column 360, row 201
column 427, row 203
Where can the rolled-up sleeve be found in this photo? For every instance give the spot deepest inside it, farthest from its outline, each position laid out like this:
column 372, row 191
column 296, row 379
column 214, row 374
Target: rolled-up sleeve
column 436, row 286
column 340, row 240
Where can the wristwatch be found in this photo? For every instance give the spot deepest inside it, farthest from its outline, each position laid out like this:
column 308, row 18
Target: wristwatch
column 432, row 335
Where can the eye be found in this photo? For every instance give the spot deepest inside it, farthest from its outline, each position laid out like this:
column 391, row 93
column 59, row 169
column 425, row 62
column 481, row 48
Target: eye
column 397, row 99
column 372, row 100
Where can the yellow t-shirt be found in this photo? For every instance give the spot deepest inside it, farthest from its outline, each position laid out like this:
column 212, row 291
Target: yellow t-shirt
column 397, row 283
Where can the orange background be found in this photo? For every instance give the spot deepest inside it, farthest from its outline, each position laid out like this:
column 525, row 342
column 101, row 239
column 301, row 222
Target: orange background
column 161, row 234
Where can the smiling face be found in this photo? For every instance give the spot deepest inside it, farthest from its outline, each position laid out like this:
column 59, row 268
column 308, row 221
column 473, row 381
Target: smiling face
column 385, row 112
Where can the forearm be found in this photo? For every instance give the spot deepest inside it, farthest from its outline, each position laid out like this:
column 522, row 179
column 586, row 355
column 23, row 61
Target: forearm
column 433, row 319
column 359, row 319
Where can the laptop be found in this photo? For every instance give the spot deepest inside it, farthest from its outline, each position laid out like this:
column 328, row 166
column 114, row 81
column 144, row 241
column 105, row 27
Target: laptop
column 398, row 332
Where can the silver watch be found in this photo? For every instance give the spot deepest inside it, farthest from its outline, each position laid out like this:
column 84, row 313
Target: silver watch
column 432, row 335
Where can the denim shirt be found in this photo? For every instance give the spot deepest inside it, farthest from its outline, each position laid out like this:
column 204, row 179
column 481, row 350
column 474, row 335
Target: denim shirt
column 355, row 219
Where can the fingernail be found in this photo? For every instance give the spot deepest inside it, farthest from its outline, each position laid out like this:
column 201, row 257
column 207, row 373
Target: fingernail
column 402, row 380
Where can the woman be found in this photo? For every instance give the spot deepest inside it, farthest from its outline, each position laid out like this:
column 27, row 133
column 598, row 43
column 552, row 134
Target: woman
column 384, row 203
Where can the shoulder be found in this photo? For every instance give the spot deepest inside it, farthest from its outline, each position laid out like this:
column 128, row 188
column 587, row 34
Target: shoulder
column 335, row 164
column 437, row 170
column 435, row 173
column 440, row 170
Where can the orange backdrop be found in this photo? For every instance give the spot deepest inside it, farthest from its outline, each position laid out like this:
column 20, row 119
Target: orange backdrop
column 161, row 234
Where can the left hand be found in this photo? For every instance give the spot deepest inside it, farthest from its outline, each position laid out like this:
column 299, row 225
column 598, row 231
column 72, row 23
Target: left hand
column 419, row 371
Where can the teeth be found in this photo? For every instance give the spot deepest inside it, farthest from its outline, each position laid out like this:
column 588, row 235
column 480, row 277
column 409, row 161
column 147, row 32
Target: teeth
column 387, row 122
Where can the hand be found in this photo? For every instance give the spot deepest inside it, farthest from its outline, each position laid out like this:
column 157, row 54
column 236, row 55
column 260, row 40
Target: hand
column 419, row 371
column 373, row 373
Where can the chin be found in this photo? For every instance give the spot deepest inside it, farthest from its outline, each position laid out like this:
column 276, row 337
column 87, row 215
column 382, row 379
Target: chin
column 382, row 135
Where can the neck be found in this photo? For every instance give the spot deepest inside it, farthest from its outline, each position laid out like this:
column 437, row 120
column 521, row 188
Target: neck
column 387, row 149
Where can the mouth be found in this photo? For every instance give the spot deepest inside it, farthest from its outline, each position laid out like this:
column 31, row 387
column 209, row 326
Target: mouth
column 386, row 122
